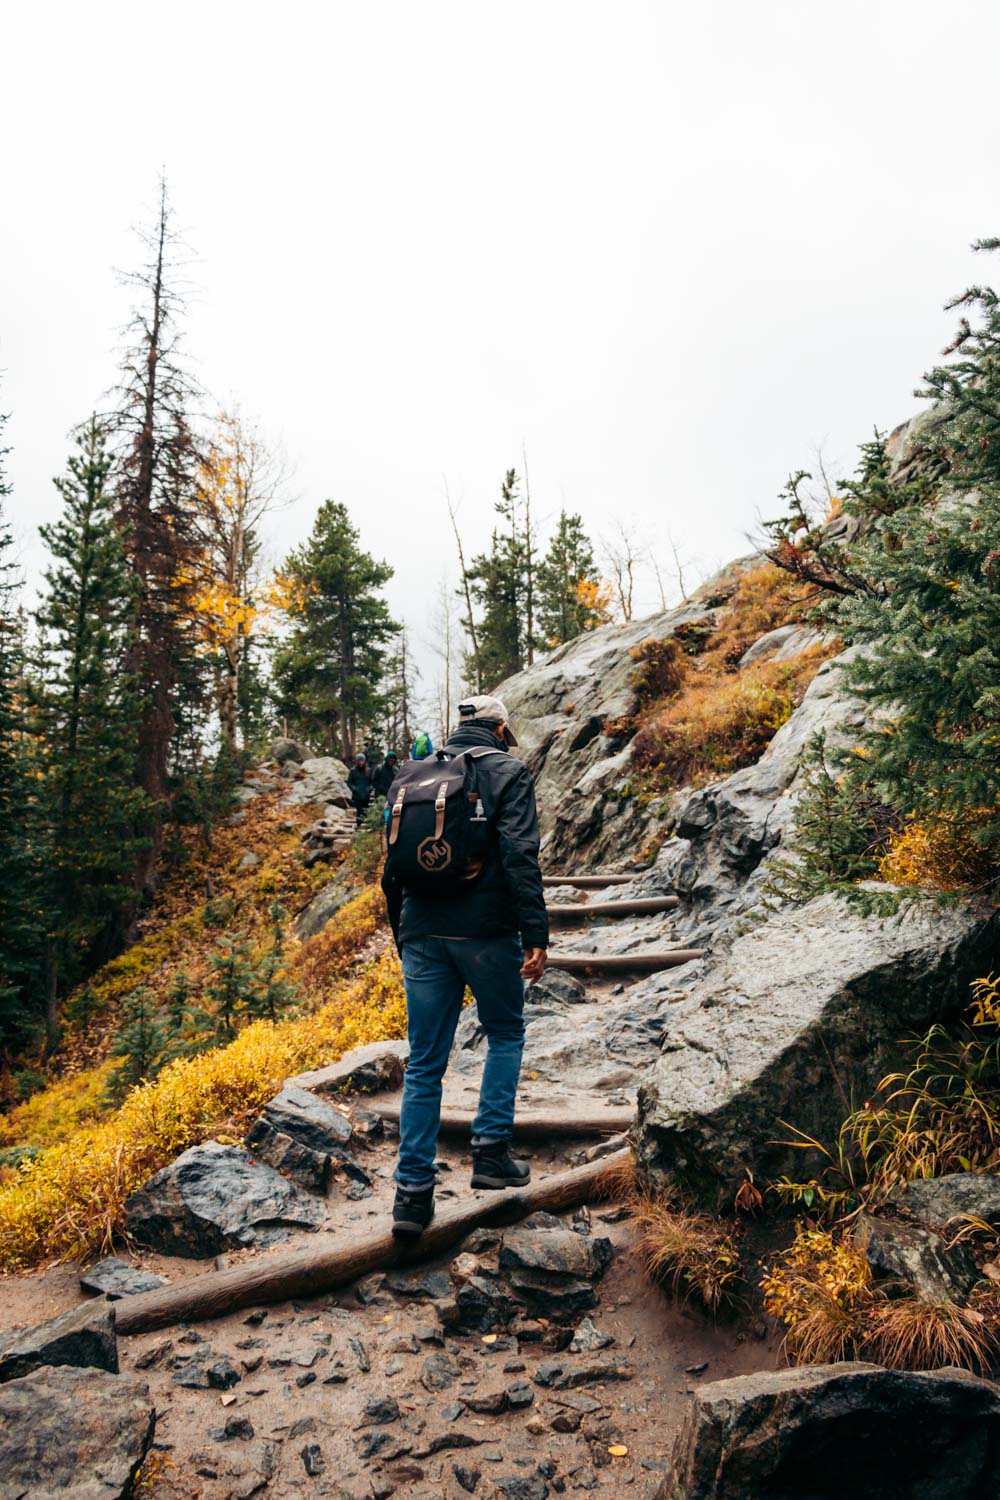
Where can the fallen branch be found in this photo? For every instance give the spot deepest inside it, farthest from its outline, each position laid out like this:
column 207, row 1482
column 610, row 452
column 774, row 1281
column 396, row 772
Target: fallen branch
column 588, row 882
column 306, row 1273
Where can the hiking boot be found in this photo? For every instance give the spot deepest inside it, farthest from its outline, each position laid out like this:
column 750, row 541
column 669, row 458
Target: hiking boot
column 412, row 1211
column 494, row 1167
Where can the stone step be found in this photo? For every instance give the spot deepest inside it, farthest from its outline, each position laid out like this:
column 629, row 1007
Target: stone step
column 623, row 963
column 640, row 907
column 588, row 882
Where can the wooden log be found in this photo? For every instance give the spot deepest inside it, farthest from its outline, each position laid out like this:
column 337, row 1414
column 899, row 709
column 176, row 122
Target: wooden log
column 306, row 1273
column 623, row 963
column 642, row 906
column 528, row 1125
column 588, row 882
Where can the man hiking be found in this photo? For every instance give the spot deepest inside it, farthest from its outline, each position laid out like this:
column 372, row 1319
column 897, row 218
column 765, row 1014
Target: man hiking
column 382, row 780
column 464, row 891
column 359, row 784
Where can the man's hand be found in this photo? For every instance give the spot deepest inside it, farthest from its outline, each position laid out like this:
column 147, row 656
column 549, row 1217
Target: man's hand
column 534, row 964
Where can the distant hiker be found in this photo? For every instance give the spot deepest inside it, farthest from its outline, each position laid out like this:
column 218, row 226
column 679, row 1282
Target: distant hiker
column 384, row 774
column 464, row 892
column 422, row 746
column 359, row 784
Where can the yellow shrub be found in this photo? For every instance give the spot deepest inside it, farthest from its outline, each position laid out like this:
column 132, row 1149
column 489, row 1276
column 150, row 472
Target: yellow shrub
column 56, row 1111
column 820, row 1288
column 939, row 853
column 70, row 1201
column 326, row 957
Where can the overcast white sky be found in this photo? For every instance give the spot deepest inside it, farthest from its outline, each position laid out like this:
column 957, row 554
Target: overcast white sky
column 667, row 247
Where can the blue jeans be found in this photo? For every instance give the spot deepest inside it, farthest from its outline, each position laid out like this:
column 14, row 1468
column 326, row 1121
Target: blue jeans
column 436, row 971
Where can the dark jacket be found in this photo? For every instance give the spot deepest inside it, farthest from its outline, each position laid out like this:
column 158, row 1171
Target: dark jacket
column 383, row 778
column 360, row 785
column 507, row 897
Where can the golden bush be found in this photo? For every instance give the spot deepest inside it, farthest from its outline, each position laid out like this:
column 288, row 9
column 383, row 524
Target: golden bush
column 938, row 854
column 70, row 1201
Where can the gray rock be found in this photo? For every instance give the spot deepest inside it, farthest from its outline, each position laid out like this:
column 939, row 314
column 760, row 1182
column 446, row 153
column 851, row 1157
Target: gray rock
column 249, row 860
column 307, row 1118
column 916, row 1255
column 556, row 1250
column 283, row 750
column 439, row 1371
column 114, row 1278
column 321, row 909
column 941, row 1200
column 808, row 1009
column 323, row 780
column 563, row 707
column 364, row 1070
column 310, row 1169
column 215, row 1198
column 832, row 1431
column 725, row 830
column 781, row 644
column 587, row 1339
column 84, row 1336
column 73, row 1433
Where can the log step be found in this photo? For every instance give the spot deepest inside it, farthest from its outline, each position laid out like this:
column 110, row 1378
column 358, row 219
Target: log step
column 305, row 1273
column 640, row 907
column 526, row 1123
column 623, row 963
column 588, row 882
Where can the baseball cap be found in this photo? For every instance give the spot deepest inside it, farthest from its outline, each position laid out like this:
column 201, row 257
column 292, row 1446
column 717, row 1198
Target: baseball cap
column 485, row 710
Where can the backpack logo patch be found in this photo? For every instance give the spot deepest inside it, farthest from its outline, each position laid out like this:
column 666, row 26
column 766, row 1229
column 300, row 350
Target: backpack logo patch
column 434, row 855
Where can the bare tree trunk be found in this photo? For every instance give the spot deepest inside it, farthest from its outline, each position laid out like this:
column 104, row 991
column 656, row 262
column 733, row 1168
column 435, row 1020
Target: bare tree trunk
column 467, row 589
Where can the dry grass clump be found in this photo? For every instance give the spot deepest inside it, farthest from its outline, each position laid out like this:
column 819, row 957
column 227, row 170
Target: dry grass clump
column 718, row 724
column 821, row 1289
column 912, row 1333
column 692, row 1254
column 698, row 717
column 70, row 1201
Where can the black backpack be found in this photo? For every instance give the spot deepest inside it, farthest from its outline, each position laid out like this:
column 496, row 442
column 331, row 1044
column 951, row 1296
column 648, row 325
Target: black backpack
column 437, row 826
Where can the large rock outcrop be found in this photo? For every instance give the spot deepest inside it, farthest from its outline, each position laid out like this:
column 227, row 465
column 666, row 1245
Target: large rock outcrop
column 827, row 1432
column 564, row 709
column 804, row 1013
column 78, row 1433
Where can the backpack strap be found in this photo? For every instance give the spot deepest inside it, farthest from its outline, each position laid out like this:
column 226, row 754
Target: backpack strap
column 439, row 803
column 397, row 812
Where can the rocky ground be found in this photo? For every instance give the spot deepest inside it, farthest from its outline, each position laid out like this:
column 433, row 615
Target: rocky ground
column 429, row 1382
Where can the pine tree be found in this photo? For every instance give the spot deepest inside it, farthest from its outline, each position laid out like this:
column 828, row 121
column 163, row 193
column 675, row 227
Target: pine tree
column 156, row 494
column 931, row 670
column 273, row 994
column 21, row 911
column 234, row 989
column 86, row 713
column 499, row 584
column 140, row 1044
column 328, row 674
column 568, row 584
column 837, row 833
column 828, row 551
